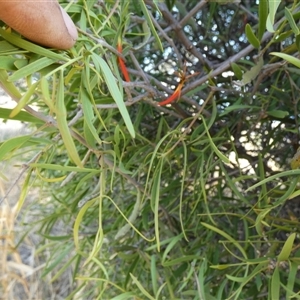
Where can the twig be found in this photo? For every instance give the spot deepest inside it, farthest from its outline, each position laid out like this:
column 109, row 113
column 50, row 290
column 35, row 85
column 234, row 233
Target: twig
column 180, row 34
column 192, row 12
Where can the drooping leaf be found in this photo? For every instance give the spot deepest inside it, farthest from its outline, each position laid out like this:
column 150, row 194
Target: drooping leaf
column 273, row 6
column 115, row 92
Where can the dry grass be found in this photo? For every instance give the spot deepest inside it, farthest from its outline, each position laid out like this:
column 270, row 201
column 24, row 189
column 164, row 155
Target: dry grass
column 12, row 271
column 22, row 262
column 17, row 266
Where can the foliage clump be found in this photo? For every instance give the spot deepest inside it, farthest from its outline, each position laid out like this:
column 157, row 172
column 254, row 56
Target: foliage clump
column 196, row 200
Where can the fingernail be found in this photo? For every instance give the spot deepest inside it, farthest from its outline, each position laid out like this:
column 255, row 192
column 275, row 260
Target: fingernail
column 70, row 25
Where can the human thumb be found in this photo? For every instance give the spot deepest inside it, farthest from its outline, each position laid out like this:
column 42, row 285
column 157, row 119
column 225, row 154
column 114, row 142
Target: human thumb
column 45, row 23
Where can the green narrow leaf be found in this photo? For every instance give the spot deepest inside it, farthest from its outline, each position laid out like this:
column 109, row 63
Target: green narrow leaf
column 246, row 279
column 63, row 127
column 124, row 296
column 154, row 278
column 89, row 114
column 155, row 193
column 114, row 91
column 237, row 107
column 276, row 176
column 182, row 189
column 64, row 168
column 237, row 279
column 88, row 136
column 78, row 220
column 275, row 284
column 237, row 71
column 25, row 189
column 291, row 59
column 202, row 278
column 12, row 144
column 293, row 184
column 160, row 290
column 6, row 47
column 44, row 85
column 222, row 289
column 291, row 21
column 251, row 37
column 283, row 36
column 97, row 243
column 260, row 223
column 298, row 42
column 264, row 191
column 226, row 236
column 24, row 100
column 213, row 115
column 291, row 279
column 22, row 116
column 280, row 114
column 262, row 18
column 273, row 6
column 16, row 40
column 170, row 246
column 287, row 248
column 141, row 288
column 9, row 87
column 179, row 260
column 150, row 24
column 31, row 68
column 295, row 194
column 217, row 151
column 202, row 181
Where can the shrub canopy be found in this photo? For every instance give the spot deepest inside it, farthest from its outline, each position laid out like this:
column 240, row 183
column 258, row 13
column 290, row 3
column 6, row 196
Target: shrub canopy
column 196, row 200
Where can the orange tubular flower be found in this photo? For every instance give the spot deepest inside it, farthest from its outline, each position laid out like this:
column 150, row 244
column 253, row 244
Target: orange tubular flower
column 174, row 96
column 122, row 63
column 177, row 92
